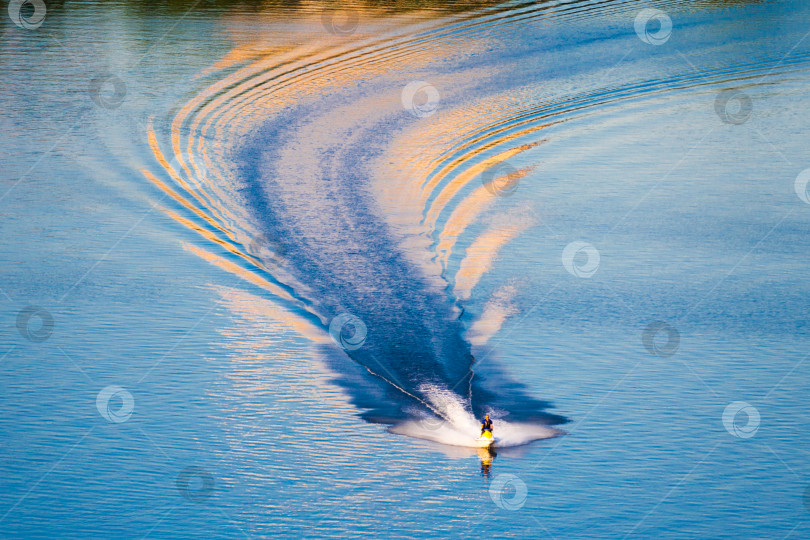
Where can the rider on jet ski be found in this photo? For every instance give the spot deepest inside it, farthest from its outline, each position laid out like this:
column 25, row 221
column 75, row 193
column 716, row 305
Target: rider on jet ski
column 486, row 425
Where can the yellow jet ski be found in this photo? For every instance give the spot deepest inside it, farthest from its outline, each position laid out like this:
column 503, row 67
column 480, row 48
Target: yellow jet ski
column 486, row 439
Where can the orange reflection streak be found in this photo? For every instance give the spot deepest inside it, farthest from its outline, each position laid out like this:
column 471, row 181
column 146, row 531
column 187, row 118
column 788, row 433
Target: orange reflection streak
column 497, row 309
column 480, row 256
column 478, row 139
column 487, row 326
column 264, row 313
column 460, row 131
column 464, row 214
column 173, row 194
column 191, row 225
column 479, row 149
column 238, row 270
column 203, row 196
column 153, row 144
column 245, row 53
column 475, row 141
column 452, row 188
column 415, row 159
column 208, row 235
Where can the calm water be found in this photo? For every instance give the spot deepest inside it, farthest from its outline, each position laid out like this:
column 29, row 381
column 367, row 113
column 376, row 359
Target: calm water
column 264, row 264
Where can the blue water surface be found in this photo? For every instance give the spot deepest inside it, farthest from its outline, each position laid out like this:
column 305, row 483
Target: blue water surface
column 191, row 193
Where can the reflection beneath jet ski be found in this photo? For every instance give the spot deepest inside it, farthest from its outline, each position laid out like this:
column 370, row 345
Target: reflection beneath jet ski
column 486, row 455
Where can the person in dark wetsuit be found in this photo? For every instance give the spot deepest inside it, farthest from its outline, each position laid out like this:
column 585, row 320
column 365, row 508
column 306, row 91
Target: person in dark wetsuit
column 486, row 425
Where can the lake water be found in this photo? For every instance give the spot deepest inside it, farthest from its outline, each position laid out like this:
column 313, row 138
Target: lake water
column 265, row 265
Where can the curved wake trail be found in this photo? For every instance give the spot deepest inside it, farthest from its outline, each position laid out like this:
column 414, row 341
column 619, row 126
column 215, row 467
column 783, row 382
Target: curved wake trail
column 306, row 176
column 320, row 208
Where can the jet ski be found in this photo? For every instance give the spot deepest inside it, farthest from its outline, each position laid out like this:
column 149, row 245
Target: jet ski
column 486, row 439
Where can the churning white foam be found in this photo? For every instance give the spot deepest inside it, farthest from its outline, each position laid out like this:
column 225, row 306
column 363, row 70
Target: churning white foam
column 454, row 424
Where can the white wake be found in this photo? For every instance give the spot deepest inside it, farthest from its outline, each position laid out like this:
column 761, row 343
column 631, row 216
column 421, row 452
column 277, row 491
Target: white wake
column 454, row 424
